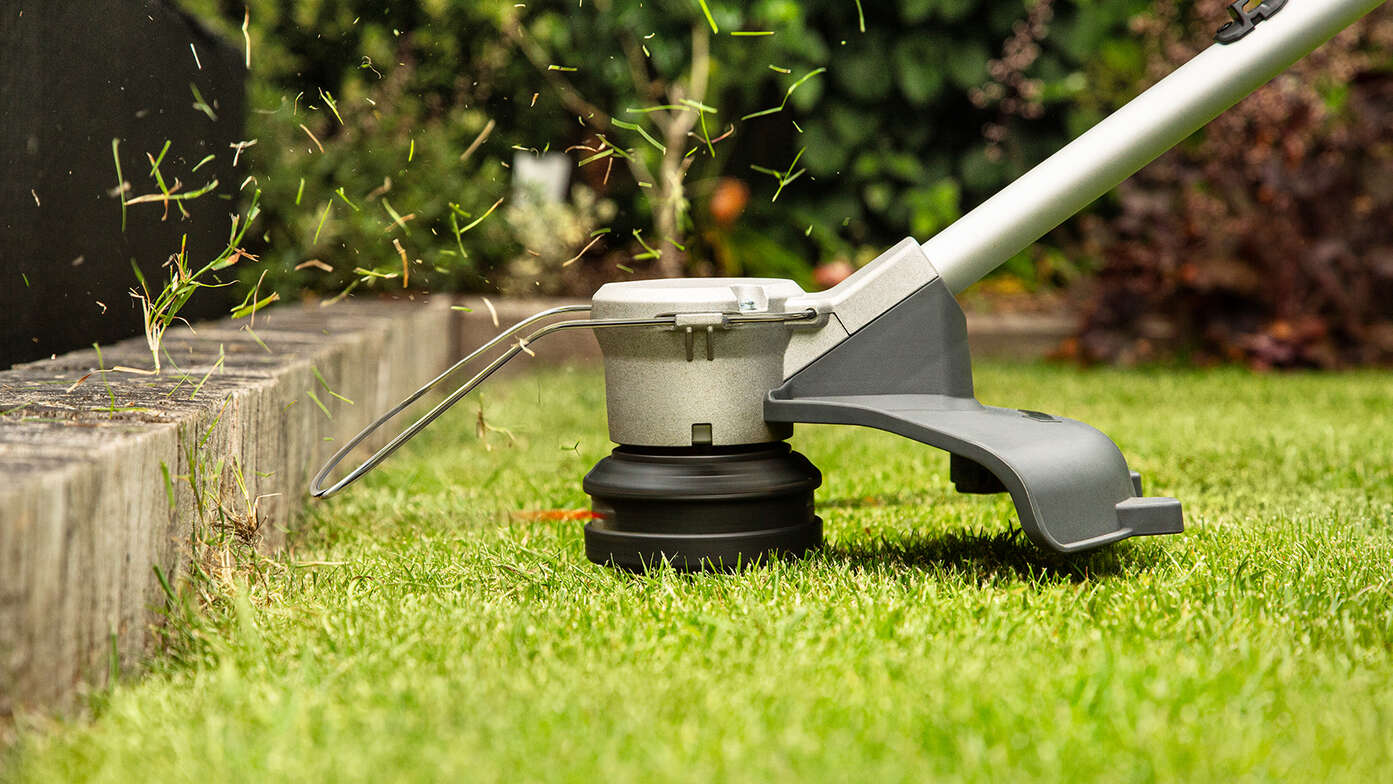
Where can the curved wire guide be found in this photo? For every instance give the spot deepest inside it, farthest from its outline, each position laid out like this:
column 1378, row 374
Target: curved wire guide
column 317, row 488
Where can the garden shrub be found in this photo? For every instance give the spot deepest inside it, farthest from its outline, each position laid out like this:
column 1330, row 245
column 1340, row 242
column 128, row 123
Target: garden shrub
column 1265, row 239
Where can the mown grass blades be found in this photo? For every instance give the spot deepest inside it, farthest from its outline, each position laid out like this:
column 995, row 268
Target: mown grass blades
column 442, row 611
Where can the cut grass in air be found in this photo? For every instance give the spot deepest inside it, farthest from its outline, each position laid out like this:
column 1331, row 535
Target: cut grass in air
column 787, row 93
column 786, row 177
column 160, row 307
column 706, row 10
column 439, row 621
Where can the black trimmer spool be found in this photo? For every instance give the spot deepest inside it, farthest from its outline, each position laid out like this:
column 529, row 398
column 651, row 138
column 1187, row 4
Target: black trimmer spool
column 701, row 508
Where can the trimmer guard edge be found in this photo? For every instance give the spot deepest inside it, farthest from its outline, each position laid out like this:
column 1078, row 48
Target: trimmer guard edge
column 909, row 372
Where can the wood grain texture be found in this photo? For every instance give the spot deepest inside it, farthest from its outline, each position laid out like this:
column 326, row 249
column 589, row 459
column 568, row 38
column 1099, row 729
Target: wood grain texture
column 85, row 512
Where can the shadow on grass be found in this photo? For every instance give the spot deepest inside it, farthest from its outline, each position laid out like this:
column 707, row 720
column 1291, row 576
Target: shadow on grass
column 982, row 556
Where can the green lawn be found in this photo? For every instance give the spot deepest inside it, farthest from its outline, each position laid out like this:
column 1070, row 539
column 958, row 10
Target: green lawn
column 460, row 640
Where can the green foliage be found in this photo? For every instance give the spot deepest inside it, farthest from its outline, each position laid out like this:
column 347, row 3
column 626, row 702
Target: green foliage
column 337, row 206
column 894, row 139
column 932, row 106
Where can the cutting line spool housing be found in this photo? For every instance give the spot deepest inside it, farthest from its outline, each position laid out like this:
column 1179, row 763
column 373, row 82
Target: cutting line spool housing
column 703, row 480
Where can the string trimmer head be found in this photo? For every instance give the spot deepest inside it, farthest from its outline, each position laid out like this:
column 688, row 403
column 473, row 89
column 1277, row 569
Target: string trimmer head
column 701, row 407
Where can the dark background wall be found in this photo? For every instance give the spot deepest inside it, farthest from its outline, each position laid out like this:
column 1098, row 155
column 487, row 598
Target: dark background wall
column 77, row 74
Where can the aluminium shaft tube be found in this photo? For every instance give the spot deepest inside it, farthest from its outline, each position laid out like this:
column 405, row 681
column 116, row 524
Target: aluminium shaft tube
column 1132, row 137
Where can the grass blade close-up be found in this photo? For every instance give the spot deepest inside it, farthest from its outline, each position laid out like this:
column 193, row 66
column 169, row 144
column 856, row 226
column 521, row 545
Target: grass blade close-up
column 442, row 622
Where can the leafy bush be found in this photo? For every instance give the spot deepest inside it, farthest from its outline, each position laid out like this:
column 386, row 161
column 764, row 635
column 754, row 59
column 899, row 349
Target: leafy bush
column 1266, row 238
column 924, row 105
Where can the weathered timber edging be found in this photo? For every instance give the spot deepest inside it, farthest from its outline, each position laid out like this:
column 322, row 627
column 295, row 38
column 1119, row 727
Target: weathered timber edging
column 86, row 512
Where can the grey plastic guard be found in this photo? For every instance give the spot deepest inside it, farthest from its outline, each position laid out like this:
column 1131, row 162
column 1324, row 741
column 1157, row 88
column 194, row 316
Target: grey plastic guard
column 909, row 372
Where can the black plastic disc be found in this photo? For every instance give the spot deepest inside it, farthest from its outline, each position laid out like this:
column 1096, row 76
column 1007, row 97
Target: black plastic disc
column 701, row 507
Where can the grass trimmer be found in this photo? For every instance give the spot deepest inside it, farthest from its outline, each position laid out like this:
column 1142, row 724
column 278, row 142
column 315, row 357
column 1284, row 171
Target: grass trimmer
column 705, row 378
